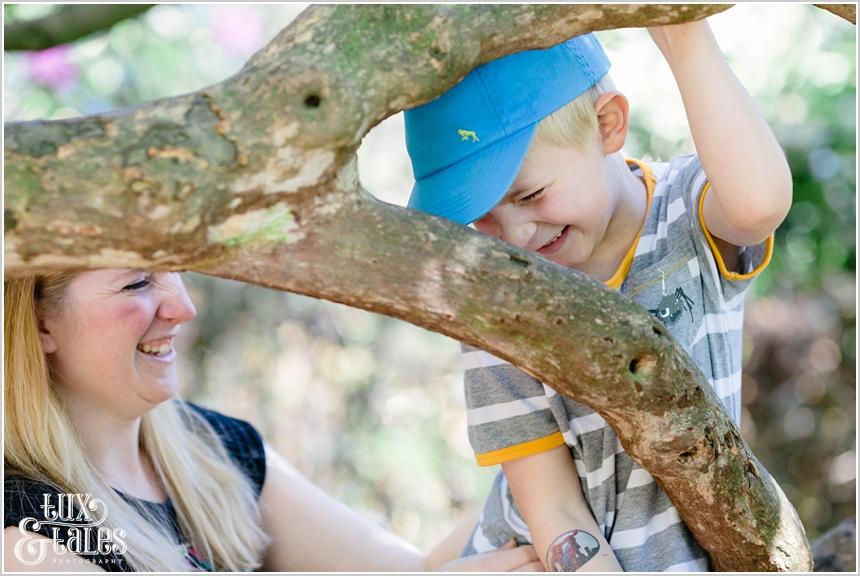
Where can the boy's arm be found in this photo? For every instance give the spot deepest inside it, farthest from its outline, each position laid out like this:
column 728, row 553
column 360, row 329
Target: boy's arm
column 750, row 180
column 549, row 496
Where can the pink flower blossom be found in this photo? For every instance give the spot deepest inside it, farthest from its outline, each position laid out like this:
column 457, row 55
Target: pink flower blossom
column 52, row 68
column 238, row 28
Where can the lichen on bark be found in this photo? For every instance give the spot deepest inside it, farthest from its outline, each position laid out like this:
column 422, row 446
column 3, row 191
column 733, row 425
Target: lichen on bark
column 254, row 179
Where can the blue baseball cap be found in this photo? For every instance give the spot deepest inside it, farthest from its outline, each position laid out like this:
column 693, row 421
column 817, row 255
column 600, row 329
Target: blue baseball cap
column 467, row 145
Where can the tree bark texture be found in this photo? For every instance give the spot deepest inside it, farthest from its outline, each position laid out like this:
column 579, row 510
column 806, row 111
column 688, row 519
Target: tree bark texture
column 846, row 11
column 67, row 24
column 255, row 179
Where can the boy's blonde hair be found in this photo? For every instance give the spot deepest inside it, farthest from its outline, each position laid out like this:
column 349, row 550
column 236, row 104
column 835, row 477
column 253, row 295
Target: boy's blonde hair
column 215, row 503
column 575, row 123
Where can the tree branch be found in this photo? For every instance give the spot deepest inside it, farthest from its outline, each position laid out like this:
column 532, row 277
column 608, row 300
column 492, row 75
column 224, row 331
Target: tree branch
column 554, row 323
column 846, row 11
column 268, row 194
column 67, row 24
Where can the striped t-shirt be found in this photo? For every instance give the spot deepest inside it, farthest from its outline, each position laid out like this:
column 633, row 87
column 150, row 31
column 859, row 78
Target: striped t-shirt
column 676, row 272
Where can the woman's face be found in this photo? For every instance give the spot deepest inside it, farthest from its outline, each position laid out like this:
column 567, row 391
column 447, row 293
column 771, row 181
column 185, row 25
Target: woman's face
column 110, row 342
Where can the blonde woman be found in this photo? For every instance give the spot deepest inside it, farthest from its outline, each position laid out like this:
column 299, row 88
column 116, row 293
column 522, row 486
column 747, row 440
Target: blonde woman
column 106, row 470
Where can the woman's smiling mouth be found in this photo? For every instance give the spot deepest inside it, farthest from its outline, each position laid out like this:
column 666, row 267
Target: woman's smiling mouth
column 161, row 349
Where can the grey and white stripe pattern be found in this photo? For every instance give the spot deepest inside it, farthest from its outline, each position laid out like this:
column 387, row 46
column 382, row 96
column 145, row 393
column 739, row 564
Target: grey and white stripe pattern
column 508, row 408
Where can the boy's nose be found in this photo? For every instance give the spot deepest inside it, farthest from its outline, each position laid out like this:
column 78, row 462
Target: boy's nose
column 521, row 233
column 504, row 224
column 517, row 231
column 177, row 306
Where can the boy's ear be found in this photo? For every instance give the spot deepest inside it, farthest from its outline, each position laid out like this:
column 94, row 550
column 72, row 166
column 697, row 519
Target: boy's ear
column 612, row 108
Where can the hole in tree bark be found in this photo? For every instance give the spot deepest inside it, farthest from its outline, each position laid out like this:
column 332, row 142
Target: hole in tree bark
column 313, row 101
column 685, row 457
column 643, row 366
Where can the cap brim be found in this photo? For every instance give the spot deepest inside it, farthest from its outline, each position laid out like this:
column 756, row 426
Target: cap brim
column 465, row 191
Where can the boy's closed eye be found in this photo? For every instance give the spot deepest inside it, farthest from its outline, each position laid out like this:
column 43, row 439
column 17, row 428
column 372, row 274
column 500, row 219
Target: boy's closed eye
column 530, row 197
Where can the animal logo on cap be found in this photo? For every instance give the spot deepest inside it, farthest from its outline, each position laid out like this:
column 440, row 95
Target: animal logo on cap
column 466, row 134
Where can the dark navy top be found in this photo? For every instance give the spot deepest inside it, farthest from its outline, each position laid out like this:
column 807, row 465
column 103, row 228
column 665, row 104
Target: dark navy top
column 25, row 499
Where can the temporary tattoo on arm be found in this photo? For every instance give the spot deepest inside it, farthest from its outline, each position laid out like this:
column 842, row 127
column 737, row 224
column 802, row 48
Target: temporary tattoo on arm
column 570, row 551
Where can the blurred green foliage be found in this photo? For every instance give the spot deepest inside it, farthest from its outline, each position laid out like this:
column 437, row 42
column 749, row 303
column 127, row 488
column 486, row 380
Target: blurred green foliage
column 814, row 120
column 372, row 408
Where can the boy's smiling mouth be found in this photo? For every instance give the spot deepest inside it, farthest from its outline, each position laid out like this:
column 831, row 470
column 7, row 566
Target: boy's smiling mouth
column 555, row 243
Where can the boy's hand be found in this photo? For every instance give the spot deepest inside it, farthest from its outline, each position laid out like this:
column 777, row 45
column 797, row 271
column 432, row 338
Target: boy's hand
column 750, row 180
column 664, row 36
column 658, row 35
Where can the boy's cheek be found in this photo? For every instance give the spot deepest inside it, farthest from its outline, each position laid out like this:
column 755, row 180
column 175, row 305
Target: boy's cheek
column 487, row 226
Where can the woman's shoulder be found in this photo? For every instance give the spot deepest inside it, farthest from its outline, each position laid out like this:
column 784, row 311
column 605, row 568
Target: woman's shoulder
column 24, row 497
column 37, row 507
column 241, row 439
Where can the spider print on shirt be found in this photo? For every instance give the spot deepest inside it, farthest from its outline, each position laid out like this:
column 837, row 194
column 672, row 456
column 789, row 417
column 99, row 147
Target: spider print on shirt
column 671, row 306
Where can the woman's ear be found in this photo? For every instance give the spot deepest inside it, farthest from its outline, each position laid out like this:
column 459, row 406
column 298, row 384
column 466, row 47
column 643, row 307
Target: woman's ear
column 49, row 344
column 612, row 108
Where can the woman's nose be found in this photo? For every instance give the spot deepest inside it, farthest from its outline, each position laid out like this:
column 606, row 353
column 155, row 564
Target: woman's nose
column 177, row 306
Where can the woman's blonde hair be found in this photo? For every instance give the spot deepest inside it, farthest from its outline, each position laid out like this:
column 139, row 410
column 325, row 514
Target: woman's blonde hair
column 575, row 123
column 215, row 503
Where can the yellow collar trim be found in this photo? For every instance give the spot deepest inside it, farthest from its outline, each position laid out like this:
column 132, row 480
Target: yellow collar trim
column 650, row 182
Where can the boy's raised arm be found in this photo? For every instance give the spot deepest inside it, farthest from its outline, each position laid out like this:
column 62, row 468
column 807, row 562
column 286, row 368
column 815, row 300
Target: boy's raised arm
column 549, row 496
column 750, row 180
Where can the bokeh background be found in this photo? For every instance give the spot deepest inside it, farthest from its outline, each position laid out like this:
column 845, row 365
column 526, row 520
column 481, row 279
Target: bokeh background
column 372, row 408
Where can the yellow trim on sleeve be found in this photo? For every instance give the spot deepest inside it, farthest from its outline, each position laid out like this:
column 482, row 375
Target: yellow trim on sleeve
column 725, row 272
column 621, row 273
column 529, row 448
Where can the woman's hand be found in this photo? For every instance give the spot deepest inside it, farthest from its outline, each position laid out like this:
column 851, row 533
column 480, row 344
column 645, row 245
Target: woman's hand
column 508, row 558
column 312, row 532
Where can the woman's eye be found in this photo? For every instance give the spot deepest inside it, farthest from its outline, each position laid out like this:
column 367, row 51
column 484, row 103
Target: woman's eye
column 139, row 285
column 531, row 197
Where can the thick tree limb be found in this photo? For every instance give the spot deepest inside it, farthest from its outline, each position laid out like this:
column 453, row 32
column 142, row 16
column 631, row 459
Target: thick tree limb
column 254, row 179
column 846, row 11
column 66, row 24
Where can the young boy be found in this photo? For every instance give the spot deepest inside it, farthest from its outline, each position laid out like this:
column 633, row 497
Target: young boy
column 528, row 148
